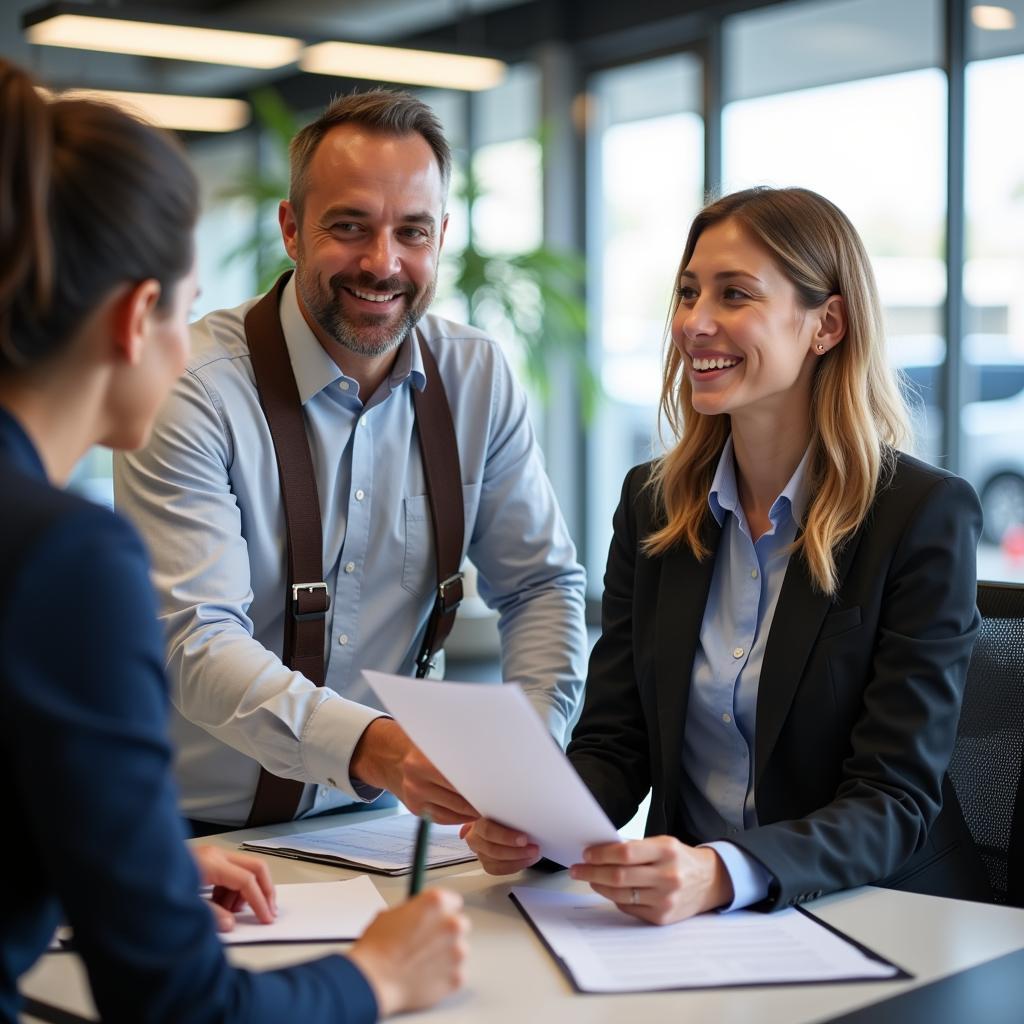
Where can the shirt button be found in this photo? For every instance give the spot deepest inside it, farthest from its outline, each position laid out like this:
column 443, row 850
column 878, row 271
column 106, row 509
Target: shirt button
column 737, row 652
column 324, row 792
column 726, row 717
column 350, row 567
column 362, row 421
column 360, row 494
column 753, row 574
column 343, row 384
column 343, row 639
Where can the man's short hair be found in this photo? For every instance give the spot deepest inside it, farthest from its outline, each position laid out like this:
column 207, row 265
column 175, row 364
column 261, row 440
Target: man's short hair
column 388, row 111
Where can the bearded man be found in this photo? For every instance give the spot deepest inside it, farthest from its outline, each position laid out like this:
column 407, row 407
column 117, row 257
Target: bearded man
column 364, row 223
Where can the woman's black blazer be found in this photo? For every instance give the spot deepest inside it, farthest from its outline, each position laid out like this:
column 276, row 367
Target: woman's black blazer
column 857, row 703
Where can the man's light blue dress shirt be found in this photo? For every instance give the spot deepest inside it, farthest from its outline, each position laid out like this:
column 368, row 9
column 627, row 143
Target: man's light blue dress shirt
column 205, row 495
column 718, row 742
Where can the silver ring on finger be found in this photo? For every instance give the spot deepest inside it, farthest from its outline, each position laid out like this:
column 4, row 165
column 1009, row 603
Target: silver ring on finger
column 634, row 897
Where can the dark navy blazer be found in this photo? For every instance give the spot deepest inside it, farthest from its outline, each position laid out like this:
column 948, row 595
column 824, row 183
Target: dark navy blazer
column 92, row 832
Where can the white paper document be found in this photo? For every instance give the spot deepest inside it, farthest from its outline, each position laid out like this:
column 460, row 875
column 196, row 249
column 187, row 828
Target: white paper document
column 494, row 749
column 384, row 845
column 313, row 912
column 604, row 950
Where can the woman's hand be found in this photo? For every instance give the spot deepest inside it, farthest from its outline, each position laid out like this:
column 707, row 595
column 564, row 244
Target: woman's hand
column 237, row 879
column 502, row 851
column 414, row 955
column 657, row 879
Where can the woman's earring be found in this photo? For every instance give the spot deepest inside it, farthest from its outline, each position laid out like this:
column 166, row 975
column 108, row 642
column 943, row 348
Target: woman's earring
column 820, row 347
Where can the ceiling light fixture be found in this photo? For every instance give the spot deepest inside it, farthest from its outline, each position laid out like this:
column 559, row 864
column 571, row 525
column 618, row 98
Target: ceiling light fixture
column 181, row 113
column 409, row 67
column 992, row 19
column 157, row 34
column 115, row 30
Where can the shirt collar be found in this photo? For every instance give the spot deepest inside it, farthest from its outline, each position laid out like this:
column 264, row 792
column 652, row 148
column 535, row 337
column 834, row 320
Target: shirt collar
column 18, row 448
column 408, row 363
column 315, row 370
column 724, row 494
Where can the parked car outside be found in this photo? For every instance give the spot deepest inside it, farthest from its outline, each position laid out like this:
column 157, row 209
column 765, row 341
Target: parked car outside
column 991, row 419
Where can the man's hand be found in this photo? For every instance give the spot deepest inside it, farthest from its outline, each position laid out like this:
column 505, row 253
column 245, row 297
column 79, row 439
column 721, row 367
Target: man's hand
column 502, row 851
column 237, row 879
column 657, row 879
column 385, row 757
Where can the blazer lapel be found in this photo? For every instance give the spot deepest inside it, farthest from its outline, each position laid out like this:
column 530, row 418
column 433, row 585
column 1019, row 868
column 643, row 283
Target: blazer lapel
column 799, row 614
column 682, row 596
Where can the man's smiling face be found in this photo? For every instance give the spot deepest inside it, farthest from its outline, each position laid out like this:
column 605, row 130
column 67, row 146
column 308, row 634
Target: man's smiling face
column 367, row 248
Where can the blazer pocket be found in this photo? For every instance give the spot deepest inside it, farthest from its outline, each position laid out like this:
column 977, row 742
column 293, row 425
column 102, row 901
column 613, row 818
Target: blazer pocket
column 840, row 622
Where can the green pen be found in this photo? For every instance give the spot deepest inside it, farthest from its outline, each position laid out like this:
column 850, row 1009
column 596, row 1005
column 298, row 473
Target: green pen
column 419, row 858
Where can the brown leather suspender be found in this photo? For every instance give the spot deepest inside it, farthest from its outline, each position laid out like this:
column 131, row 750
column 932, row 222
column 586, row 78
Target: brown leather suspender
column 439, row 450
column 307, row 600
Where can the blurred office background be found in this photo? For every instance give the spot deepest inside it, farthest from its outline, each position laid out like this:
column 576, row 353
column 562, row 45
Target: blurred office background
column 610, row 123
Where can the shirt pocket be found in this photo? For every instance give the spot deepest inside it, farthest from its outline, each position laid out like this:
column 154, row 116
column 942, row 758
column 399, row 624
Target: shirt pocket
column 418, row 570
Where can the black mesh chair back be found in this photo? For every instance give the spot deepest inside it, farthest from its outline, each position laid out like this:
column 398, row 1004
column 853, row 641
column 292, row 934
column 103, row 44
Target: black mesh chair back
column 986, row 765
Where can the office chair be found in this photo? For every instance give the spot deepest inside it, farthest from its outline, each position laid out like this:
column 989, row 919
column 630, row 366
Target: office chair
column 986, row 767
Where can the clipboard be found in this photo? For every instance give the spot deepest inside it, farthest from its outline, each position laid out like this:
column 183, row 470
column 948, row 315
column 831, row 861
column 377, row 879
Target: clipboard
column 893, row 971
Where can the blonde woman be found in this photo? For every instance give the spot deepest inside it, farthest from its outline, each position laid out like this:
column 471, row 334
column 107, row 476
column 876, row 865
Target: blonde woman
column 789, row 601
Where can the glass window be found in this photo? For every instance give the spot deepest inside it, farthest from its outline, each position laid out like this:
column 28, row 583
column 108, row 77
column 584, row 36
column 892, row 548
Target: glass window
column 792, row 46
column 507, row 215
column 507, row 221
column 450, row 107
column 992, row 417
column 646, row 182
column 225, row 224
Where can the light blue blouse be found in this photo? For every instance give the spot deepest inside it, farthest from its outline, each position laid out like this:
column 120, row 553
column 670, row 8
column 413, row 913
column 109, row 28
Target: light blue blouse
column 718, row 742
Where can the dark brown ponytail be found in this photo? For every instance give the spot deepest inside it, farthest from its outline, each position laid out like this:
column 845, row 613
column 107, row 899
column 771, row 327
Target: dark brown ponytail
column 26, row 252
column 90, row 198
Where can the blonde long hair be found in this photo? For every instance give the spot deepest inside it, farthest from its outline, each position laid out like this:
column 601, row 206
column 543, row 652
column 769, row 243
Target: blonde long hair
column 858, row 418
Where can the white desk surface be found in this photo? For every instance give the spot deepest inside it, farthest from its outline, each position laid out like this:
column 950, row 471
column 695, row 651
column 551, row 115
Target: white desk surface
column 512, row 978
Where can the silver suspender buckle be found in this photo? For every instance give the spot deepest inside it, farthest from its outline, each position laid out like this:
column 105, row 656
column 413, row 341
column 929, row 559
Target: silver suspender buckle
column 449, row 597
column 310, row 601
column 449, row 593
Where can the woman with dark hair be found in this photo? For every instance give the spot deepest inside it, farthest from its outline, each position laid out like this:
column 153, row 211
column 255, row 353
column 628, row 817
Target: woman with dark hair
column 96, row 278
column 789, row 603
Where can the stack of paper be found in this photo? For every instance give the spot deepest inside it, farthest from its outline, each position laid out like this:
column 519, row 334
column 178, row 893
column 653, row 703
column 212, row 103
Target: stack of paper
column 384, row 845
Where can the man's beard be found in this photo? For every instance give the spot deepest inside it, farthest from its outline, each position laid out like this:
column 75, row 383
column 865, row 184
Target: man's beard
column 368, row 334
